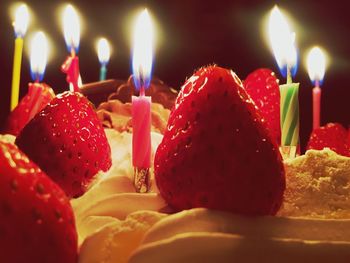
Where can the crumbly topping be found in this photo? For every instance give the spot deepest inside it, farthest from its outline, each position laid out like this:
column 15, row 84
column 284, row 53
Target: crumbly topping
column 318, row 186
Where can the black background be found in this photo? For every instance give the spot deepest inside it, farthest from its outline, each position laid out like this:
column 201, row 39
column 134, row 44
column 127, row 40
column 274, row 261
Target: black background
column 191, row 34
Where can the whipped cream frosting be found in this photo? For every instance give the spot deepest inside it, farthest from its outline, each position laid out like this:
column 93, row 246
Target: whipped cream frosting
column 202, row 235
column 112, row 195
column 116, row 225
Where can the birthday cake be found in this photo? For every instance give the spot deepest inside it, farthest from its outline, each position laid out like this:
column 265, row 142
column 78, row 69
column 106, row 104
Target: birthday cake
column 216, row 185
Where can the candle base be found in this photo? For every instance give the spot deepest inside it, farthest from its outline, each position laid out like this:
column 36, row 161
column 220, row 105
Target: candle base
column 141, row 180
column 289, row 152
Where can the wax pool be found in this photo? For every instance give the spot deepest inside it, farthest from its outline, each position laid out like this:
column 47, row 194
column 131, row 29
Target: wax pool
column 141, row 130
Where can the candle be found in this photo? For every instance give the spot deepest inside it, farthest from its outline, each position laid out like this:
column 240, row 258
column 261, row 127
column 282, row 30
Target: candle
column 71, row 28
column 141, row 105
column 103, row 52
column 316, row 66
column 20, row 26
column 38, row 95
column 282, row 43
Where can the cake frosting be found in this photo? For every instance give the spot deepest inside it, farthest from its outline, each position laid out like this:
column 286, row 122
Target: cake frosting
column 160, row 92
column 116, row 115
column 114, row 89
column 112, row 195
column 115, row 224
column 202, row 235
column 318, row 186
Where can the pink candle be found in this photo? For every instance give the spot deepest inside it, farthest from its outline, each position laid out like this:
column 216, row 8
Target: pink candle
column 71, row 29
column 316, row 66
column 141, row 131
column 141, row 105
column 71, row 68
column 316, row 106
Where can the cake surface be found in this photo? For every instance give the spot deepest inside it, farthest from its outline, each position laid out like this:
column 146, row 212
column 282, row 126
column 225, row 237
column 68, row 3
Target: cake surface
column 202, row 235
column 115, row 224
column 318, row 186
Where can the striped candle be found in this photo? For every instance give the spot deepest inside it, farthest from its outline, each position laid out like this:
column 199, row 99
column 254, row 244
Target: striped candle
column 289, row 114
column 283, row 46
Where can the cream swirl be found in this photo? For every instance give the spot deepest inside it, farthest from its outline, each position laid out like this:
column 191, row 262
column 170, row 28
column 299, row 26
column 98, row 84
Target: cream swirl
column 112, row 196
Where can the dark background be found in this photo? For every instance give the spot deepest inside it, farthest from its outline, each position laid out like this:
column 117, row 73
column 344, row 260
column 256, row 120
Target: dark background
column 192, row 33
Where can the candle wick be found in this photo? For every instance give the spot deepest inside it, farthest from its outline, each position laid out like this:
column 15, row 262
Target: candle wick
column 142, row 91
column 317, row 83
column 72, row 52
column 289, row 75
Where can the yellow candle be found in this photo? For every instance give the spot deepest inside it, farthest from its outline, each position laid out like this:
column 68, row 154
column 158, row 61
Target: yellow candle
column 20, row 26
column 17, row 61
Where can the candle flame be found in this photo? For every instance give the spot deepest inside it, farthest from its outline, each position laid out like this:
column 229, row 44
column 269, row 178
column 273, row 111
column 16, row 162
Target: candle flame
column 103, row 51
column 71, row 28
column 316, row 65
column 282, row 42
column 142, row 50
column 38, row 56
column 21, row 21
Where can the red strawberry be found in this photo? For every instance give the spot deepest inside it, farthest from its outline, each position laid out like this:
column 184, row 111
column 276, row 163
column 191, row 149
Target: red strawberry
column 38, row 96
column 262, row 86
column 67, row 141
column 215, row 152
column 36, row 219
column 333, row 136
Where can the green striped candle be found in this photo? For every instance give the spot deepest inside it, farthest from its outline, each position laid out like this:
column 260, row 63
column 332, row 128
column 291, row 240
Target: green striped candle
column 289, row 114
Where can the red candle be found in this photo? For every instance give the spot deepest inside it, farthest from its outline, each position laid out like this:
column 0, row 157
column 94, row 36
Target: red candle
column 316, row 107
column 141, row 105
column 316, row 65
column 72, row 37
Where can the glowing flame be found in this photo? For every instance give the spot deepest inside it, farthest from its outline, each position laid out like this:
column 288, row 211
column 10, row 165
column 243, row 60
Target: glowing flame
column 21, row 21
column 316, row 65
column 38, row 56
column 103, row 51
column 142, row 50
column 71, row 28
column 282, row 41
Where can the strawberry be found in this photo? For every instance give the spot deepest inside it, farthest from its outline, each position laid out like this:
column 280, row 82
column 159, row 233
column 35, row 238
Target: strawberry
column 36, row 219
column 67, row 141
column 38, row 96
column 262, row 86
column 216, row 153
column 333, row 136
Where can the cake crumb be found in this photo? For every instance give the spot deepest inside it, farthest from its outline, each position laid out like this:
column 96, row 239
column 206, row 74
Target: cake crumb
column 318, row 186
